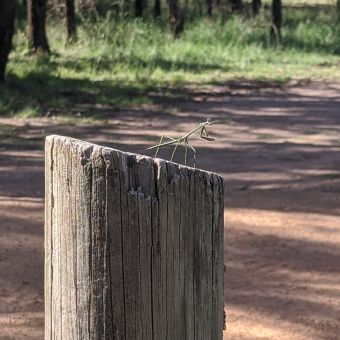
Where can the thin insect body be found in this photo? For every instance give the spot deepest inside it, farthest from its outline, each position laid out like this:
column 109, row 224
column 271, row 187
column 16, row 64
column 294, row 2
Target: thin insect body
column 185, row 139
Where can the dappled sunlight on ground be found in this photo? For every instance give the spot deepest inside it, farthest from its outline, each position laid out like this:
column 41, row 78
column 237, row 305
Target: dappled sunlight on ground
column 21, row 267
column 252, row 324
column 278, row 149
column 282, row 275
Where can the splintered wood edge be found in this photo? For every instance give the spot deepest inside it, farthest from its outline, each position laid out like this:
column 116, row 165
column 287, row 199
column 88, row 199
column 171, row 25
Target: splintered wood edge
column 87, row 149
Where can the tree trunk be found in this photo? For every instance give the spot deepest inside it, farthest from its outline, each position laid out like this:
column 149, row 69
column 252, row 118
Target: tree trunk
column 209, row 7
column 175, row 18
column 275, row 31
column 36, row 17
column 256, row 6
column 139, row 7
column 133, row 246
column 7, row 17
column 157, row 9
column 236, row 5
column 71, row 25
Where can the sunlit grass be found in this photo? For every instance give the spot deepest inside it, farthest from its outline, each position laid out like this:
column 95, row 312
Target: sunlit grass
column 118, row 64
column 28, row 112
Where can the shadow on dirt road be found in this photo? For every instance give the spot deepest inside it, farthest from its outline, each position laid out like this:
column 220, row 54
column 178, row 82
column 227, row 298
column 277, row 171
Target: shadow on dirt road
column 277, row 148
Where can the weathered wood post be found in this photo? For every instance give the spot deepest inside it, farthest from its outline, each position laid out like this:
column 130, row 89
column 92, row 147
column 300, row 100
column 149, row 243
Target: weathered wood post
column 134, row 246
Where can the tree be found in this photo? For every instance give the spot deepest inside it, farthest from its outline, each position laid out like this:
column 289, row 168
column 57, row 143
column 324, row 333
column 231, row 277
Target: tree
column 7, row 16
column 256, row 5
column 139, row 7
column 175, row 18
column 36, row 17
column 157, row 9
column 209, row 7
column 236, row 5
column 70, row 20
column 275, row 31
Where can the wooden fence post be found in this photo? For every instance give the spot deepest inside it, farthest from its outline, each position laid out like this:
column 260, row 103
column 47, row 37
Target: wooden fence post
column 134, row 246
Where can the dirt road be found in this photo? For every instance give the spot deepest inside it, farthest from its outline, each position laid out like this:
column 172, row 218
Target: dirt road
column 278, row 149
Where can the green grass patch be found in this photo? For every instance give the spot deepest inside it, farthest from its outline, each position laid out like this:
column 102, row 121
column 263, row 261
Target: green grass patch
column 119, row 64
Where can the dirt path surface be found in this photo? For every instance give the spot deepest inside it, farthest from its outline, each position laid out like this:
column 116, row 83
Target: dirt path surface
column 278, row 149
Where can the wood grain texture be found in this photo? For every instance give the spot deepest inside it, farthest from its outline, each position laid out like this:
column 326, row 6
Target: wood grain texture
column 133, row 246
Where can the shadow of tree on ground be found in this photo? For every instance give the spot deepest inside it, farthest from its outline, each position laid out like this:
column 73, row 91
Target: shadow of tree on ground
column 278, row 150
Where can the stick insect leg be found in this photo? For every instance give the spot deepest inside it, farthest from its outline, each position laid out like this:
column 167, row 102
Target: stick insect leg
column 173, row 152
column 173, row 139
column 160, row 142
column 194, row 151
column 186, row 152
column 203, row 132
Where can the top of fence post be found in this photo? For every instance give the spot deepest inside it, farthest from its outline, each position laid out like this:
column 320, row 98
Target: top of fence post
column 133, row 246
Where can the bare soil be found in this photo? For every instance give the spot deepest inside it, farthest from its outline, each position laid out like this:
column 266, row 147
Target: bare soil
column 278, row 148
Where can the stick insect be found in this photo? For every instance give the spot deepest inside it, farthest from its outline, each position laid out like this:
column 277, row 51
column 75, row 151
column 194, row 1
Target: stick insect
column 184, row 141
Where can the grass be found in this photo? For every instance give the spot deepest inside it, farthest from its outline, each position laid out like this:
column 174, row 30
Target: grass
column 119, row 64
